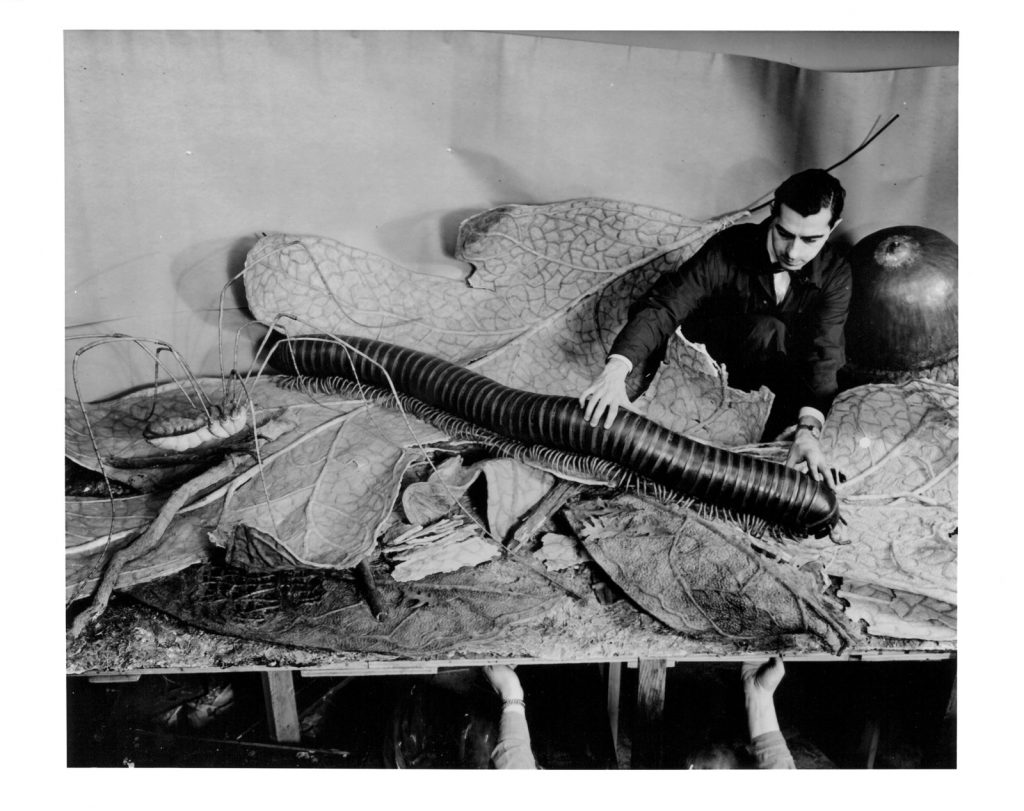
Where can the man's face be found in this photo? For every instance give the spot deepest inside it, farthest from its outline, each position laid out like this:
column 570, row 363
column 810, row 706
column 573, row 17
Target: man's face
column 797, row 239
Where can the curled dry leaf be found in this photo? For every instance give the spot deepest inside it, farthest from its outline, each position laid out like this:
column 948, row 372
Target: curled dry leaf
column 899, row 614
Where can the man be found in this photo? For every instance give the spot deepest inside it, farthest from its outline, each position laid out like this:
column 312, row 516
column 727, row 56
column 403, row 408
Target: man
column 768, row 300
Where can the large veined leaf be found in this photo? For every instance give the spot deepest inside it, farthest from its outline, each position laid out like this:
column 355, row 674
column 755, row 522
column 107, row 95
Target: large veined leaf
column 531, row 263
column 325, row 497
column 702, row 578
column 114, row 430
column 464, row 611
column 89, row 519
column 898, row 446
column 894, row 439
column 906, row 547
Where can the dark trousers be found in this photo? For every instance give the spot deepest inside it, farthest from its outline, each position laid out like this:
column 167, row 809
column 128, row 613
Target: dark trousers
column 761, row 357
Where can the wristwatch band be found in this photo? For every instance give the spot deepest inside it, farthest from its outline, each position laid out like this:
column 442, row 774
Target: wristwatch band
column 513, row 702
column 809, row 426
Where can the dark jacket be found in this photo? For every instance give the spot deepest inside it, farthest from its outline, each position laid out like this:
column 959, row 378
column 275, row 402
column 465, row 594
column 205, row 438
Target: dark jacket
column 714, row 294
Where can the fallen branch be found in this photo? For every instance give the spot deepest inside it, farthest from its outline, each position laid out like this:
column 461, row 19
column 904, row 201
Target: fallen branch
column 150, row 539
column 553, row 501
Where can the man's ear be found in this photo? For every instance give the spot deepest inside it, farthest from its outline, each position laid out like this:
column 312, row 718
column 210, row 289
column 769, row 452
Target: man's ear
column 835, row 226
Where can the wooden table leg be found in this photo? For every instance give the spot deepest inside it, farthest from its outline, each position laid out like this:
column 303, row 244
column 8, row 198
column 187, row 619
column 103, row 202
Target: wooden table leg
column 282, row 711
column 869, row 740
column 614, row 695
column 945, row 744
column 648, row 732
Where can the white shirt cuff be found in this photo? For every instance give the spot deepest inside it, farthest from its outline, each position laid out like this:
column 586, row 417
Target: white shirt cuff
column 807, row 411
column 624, row 359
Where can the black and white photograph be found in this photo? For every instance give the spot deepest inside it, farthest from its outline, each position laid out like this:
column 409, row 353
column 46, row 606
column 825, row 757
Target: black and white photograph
column 580, row 401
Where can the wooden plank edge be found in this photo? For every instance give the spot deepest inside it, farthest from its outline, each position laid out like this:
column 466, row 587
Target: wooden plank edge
column 365, row 668
column 428, row 667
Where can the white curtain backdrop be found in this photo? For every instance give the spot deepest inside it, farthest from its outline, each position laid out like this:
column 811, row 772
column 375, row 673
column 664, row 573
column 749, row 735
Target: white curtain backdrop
column 182, row 146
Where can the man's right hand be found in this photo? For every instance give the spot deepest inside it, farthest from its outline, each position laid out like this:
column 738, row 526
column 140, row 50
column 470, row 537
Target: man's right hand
column 759, row 682
column 762, row 677
column 607, row 394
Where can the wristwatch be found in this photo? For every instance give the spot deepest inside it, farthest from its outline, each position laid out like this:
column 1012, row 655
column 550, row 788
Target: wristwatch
column 813, row 427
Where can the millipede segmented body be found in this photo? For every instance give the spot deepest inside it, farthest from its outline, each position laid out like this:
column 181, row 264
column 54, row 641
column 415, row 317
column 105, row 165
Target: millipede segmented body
column 720, row 477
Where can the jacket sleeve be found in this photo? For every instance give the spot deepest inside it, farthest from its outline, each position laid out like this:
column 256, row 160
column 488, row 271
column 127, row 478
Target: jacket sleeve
column 656, row 314
column 771, row 751
column 827, row 348
column 513, row 748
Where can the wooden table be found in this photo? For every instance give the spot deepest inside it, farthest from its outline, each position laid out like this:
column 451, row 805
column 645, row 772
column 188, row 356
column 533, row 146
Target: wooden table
column 133, row 640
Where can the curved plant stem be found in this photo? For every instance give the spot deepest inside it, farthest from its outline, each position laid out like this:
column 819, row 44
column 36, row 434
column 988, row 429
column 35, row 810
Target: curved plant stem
column 150, row 539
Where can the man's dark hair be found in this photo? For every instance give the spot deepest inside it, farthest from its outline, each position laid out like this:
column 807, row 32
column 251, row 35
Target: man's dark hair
column 808, row 192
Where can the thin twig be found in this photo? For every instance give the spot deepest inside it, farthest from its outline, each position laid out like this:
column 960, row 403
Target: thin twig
column 844, row 160
column 931, row 502
column 885, row 126
column 280, row 747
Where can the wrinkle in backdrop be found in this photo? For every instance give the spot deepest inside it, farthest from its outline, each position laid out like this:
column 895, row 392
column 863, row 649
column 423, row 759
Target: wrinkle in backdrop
column 181, row 146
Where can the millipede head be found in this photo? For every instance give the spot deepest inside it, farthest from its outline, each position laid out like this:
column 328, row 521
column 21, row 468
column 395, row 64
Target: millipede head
column 825, row 508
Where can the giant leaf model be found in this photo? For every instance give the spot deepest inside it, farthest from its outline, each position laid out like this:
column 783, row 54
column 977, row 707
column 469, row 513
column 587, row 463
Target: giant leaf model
column 532, row 263
column 460, row 611
column 701, row 578
column 898, row 447
column 325, row 498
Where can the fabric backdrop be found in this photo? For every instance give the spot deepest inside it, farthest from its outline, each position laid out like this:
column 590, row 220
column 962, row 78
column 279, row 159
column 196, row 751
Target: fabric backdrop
column 182, row 146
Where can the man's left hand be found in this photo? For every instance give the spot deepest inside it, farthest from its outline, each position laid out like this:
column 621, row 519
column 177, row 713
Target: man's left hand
column 806, row 448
